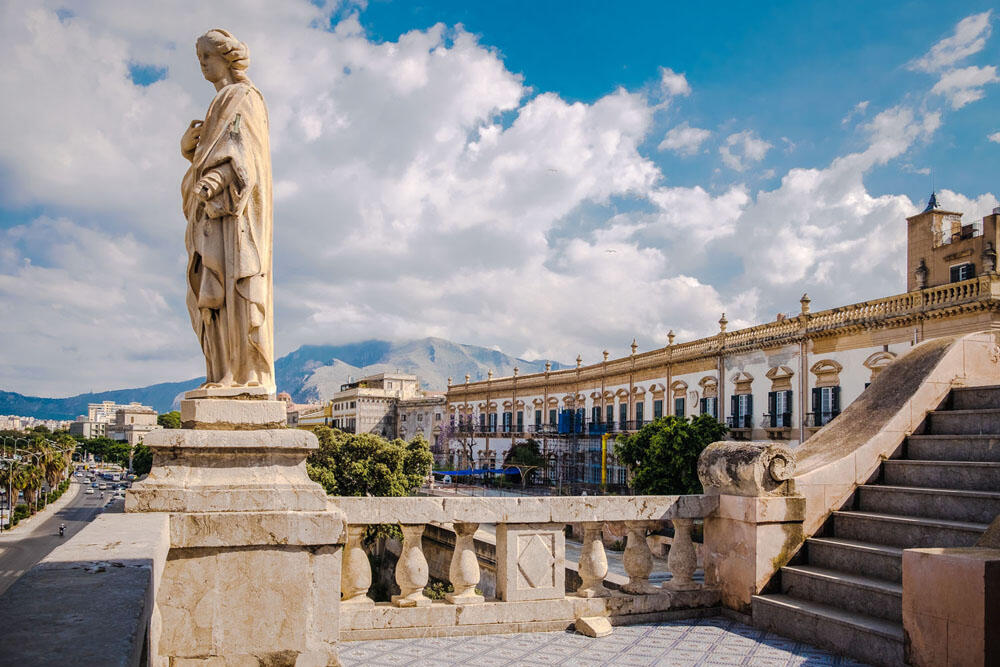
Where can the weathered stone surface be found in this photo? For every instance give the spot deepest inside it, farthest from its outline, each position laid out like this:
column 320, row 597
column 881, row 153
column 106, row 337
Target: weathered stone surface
column 238, row 393
column 951, row 606
column 232, row 414
column 229, row 529
column 93, row 596
column 213, row 601
column 593, row 626
column 746, row 468
column 228, row 471
column 553, row 509
column 531, row 561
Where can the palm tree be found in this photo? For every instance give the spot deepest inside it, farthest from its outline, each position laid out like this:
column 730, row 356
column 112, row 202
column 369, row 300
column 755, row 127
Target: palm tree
column 33, row 478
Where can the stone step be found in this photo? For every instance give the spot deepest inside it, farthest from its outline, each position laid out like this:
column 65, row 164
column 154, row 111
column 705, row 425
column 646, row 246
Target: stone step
column 966, row 475
column 852, row 556
column 955, row 505
column 964, row 422
column 953, row 447
column 975, row 398
column 853, row 592
column 906, row 532
column 866, row 638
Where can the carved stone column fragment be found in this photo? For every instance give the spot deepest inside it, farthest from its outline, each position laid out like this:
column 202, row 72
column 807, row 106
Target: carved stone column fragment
column 682, row 559
column 411, row 569
column 593, row 562
column 464, row 571
column 356, row 571
column 638, row 560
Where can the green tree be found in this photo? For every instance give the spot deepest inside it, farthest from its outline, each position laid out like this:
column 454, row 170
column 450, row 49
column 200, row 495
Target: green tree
column 170, row 419
column 42, row 429
column 663, row 455
column 365, row 464
column 527, row 457
column 142, row 460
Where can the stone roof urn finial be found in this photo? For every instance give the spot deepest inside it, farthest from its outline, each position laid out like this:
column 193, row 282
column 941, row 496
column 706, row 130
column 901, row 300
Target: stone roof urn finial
column 670, row 337
column 605, row 353
column 920, row 273
column 449, row 382
column 516, row 370
column 722, row 323
column 989, row 258
column 805, row 301
column 489, row 374
column 548, row 366
column 579, row 360
column 467, row 378
column 634, row 346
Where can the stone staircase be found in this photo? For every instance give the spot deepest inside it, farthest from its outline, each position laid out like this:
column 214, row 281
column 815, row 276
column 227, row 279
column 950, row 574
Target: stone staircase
column 843, row 590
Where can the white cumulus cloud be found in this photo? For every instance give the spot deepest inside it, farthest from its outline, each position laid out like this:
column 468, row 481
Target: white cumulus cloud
column 968, row 39
column 742, row 149
column 965, row 85
column 684, row 139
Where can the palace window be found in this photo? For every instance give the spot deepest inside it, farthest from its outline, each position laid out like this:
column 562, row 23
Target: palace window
column 610, row 414
column 657, row 408
column 639, row 407
column 520, row 420
column 538, row 417
column 679, row 406
column 595, row 414
column 779, row 408
column 963, row 272
column 742, row 411
column 710, row 406
column 623, row 414
column 825, row 404
column 552, row 418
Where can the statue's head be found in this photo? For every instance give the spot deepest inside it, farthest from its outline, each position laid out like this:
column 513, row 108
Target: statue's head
column 220, row 53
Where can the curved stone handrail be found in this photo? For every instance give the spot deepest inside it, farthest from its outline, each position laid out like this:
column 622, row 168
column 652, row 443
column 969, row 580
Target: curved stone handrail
column 545, row 509
column 848, row 451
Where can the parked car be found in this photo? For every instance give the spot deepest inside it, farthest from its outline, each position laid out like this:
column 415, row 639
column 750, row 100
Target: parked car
column 91, row 491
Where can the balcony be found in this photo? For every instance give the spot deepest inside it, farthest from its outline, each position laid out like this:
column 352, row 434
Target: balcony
column 817, row 420
column 778, row 425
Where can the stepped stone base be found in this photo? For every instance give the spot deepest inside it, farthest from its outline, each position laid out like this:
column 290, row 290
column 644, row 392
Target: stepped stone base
column 255, row 547
column 232, row 409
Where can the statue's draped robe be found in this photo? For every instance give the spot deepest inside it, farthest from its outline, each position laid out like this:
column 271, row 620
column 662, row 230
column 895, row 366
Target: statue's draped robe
column 228, row 240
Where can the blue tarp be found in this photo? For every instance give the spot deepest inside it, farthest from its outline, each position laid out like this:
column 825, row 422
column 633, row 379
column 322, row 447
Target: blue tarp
column 481, row 471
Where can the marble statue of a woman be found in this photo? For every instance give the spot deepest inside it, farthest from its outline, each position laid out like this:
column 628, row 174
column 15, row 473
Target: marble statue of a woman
column 227, row 203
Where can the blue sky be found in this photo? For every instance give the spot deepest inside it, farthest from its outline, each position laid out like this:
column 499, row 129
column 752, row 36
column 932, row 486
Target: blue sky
column 791, row 69
column 549, row 178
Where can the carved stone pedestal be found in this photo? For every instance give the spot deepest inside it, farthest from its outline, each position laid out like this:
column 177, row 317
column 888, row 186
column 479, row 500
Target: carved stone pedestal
column 255, row 550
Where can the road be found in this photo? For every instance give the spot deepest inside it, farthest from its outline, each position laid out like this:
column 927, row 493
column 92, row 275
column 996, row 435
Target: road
column 21, row 548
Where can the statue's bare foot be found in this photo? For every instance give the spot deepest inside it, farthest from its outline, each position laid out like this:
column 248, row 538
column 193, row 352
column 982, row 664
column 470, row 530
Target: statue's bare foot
column 210, row 385
column 226, row 381
column 253, row 380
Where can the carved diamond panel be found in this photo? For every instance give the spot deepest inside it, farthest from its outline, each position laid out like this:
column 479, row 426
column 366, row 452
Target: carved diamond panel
column 531, row 561
column 535, row 561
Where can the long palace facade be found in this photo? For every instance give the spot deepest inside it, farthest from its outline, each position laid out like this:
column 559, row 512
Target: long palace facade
column 782, row 380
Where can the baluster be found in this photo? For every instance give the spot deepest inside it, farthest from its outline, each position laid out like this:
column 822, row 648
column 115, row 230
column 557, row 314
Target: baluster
column 464, row 570
column 682, row 559
column 593, row 565
column 638, row 560
column 411, row 569
column 356, row 570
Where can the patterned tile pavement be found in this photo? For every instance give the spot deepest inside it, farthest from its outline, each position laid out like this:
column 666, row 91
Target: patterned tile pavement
column 703, row 641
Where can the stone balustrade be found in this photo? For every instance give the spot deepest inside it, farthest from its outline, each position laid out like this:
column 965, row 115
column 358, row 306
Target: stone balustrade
column 530, row 560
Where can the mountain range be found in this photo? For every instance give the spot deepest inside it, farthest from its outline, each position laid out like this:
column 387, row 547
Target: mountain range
column 310, row 374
